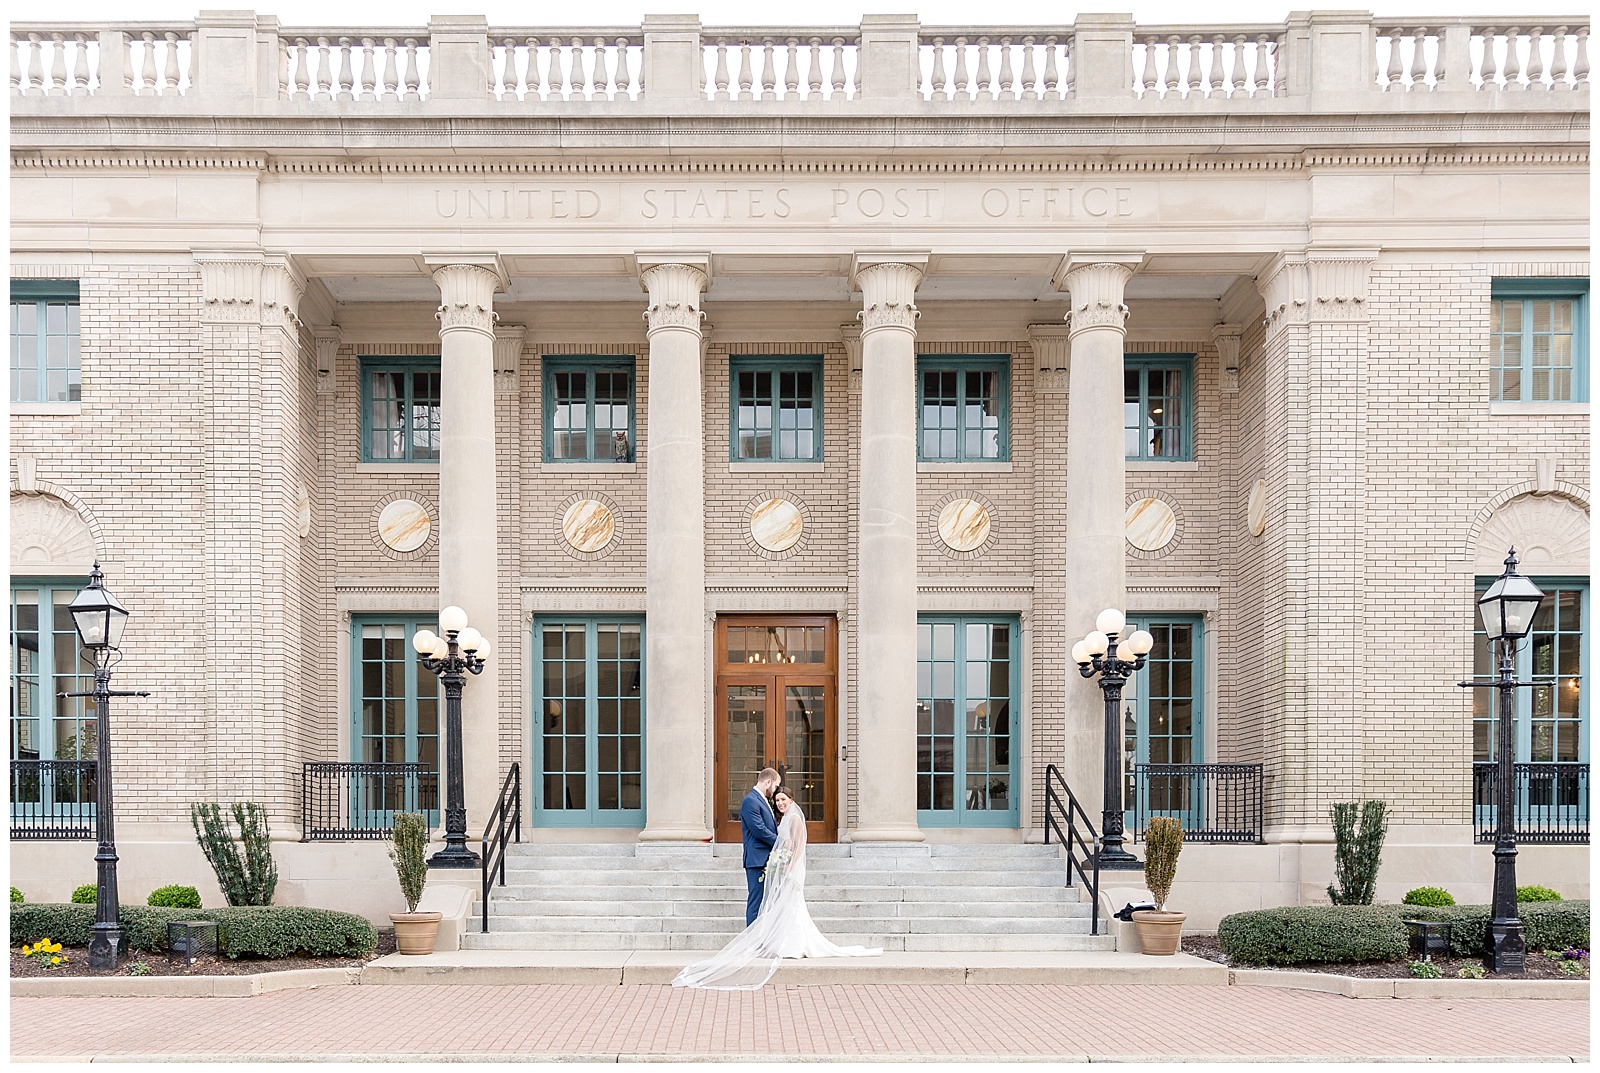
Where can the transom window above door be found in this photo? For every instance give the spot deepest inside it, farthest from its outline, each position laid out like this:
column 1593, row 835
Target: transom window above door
column 776, row 405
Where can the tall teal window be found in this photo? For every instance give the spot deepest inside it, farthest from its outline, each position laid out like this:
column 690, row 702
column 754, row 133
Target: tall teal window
column 776, row 405
column 1157, row 408
column 968, row 694
column 589, row 749
column 44, row 341
column 395, row 719
column 963, row 408
column 1553, row 716
column 1162, row 720
column 46, row 660
column 1539, row 340
column 400, row 410
column 588, row 409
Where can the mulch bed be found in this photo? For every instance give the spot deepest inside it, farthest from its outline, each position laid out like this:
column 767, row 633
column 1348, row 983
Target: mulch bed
column 161, row 964
column 1539, row 967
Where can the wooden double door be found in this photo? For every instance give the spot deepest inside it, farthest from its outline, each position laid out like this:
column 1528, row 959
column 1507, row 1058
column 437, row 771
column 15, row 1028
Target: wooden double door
column 776, row 683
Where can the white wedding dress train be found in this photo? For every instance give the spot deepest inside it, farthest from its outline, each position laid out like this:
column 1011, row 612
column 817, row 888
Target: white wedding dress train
column 783, row 927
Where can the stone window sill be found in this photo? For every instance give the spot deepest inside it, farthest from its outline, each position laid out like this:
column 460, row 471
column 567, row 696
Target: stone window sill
column 963, row 467
column 397, row 467
column 1538, row 409
column 774, row 467
column 46, row 409
column 1163, row 467
column 591, row 467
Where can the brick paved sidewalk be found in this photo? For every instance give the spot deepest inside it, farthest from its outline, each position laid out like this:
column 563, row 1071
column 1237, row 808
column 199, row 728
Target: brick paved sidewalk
column 1064, row 1023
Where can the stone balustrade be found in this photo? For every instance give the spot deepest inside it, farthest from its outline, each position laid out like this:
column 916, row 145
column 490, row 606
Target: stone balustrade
column 238, row 60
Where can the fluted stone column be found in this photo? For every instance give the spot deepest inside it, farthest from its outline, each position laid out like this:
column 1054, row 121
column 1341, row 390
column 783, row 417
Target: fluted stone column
column 886, row 662
column 677, row 751
column 1096, row 480
column 469, row 572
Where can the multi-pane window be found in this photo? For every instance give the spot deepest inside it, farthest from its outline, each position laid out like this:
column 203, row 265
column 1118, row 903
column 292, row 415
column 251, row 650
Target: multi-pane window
column 963, row 409
column 396, row 722
column 777, row 409
column 58, row 733
column 1161, row 722
column 967, row 693
column 1538, row 336
column 1156, row 408
column 400, row 410
column 588, row 413
column 44, row 341
column 1552, row 724
column 589, row 750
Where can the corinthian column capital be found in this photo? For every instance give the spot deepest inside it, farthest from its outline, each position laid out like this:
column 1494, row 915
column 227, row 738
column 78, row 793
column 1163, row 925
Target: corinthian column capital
column 888, row 285
column 675, row 284
column 467, row 285
column 1096, row 283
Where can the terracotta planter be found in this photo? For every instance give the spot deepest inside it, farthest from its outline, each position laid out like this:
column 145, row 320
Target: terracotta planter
column 414, row 933
column 1159, row 930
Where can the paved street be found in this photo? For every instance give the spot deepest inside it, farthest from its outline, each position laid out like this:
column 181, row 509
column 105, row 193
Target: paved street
column 1065, row 1023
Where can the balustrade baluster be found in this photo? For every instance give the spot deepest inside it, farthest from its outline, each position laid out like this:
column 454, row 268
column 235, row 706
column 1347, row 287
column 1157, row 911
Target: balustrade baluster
column 58, row 67
column 147, row 70
column 302, row 76
column 984, row 81
column 791, row 76
column 347, row 75
column 962, row 85
column 723, row 78
column 1174, row 78
column 769, row 70
column 585, row 64
column 174, row 77
column 1392, row 70
column 624, row 73
column 1031, row 90
column 560, row 70
column 1216, row 72
column 1003, row 85
column 80, row 67
column 502, row 80
column 1513, row 60
column 413, row 75
column 838, row 68
column 1238, row 80
column 1488, row 65
column 1194, row 84
column 1558, row 59
column 814, row 71
column 17, row 89
column 746, row 79
column 285, row 86
column 1280, row 76
column 1051, row 81
column 35, row 52
column 1536, row 58
column 1419, row 58
column 322, row 81
column 1580, row 66
column 1147, row 75
column 369, row 80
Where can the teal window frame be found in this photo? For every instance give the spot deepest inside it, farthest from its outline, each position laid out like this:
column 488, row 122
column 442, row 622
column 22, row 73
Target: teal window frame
column 39, row 297
column 595, row 451
column 37, row 712
column 1152, row 712
column 1526, row 294
column 978, row 718
column 595, row 748
column 964, row 366
column 408, row 429
column 777, row 366
column 1137, row 422
column 374, row 800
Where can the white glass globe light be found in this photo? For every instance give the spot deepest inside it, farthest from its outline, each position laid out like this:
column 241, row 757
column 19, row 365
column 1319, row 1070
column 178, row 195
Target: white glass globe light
column 470, row 639
column 1110, row 621
column 423, row 641
column 1097, row 643
column 1141, row 642
column 1080, row 653
column 452, row 619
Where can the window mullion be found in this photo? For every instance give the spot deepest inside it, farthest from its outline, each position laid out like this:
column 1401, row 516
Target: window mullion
column 958, row 752
column 591, row 722
column 1527, row 350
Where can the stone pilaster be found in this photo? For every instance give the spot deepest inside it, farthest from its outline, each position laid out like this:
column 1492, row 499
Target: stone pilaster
column 1096, row 480
column 677, row 747
column 886, row 704
column 469, row 561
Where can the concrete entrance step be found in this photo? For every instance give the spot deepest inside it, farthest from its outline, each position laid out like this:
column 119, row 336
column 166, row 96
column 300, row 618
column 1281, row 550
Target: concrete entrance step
column 534, row 942
column 603, row 967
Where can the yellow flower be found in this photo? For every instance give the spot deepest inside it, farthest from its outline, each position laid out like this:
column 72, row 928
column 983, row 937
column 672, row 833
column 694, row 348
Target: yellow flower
column 56, row 949
column 26, row 949
column 55, row 961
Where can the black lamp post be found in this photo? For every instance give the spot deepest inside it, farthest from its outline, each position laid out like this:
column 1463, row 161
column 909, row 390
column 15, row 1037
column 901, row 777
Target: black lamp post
column 1507, row 610
column 450, row 657
column 1114, row 661
column 99, row 619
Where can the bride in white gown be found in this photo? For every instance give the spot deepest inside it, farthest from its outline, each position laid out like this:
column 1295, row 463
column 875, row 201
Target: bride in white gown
column 783, row 927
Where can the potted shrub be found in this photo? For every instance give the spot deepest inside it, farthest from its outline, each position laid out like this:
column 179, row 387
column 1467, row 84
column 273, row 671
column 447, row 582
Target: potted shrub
column 1160, row 929
column 414, row 932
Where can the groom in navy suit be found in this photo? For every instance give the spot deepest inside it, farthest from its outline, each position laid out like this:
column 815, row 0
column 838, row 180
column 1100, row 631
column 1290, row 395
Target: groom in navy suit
column 760, row 832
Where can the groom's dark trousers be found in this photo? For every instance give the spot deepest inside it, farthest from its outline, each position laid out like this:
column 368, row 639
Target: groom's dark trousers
column 760, row 832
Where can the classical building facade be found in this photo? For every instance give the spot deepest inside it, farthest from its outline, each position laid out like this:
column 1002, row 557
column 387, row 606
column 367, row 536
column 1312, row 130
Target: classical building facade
column 800, row 395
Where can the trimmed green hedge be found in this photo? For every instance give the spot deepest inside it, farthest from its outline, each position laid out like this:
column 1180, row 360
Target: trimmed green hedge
column 175, row 896
column 16, row 895
column 269, row 931
column 87, row 894
column 1537, row 894
column 1428, row 896
column 1300, row 934
column 1545, row 925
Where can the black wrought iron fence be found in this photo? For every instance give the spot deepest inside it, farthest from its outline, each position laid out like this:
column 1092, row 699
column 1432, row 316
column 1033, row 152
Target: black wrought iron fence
column 343, row 802
column 52, row 799
column 1552, row 802
column 1214, row 802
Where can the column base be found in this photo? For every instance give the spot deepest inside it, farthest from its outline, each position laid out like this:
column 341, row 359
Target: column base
column 679, row 833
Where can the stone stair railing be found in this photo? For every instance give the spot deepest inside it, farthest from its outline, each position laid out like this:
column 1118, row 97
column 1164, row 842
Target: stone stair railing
column 229, row 61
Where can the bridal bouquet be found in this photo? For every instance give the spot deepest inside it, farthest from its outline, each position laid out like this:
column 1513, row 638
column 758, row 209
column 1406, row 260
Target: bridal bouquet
column 778, row 862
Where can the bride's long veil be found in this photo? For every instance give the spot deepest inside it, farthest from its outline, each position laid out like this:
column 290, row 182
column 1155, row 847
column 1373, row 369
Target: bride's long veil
column 751, row 957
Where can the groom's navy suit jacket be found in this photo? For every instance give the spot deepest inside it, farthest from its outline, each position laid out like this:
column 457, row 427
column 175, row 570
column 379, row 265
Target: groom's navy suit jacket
column 760, row 829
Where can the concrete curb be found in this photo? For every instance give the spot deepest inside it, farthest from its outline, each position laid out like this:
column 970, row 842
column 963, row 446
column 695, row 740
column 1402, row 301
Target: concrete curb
column 181, row 986
column 1360, row 987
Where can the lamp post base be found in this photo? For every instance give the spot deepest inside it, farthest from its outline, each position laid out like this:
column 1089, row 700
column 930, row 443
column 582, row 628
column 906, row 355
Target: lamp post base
column 454, row 857
column 105, row 947
column 1508, row 950
column 1118, row 859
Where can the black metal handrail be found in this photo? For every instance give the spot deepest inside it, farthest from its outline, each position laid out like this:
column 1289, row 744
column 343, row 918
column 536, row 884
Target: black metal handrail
column 1214, row 802
column 507, row 813
column 1552, row 802
column 349, row 802
column 53, row 799
column 1073, row 838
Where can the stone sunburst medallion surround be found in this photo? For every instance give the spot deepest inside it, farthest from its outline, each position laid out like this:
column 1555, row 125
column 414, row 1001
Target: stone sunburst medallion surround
column 1256, row 512
column 590, row 525
column 963, row 524
column 1149, row 523
column 404, row 525
column 776, row 525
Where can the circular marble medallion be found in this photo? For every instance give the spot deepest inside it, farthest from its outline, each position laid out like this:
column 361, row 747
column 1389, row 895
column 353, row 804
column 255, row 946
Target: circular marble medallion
column 1258, row 509
column 776, row 524
column 587, row 525
column 1149, row 524
column 404, row 526
column 964, row 525
column 303, row 512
